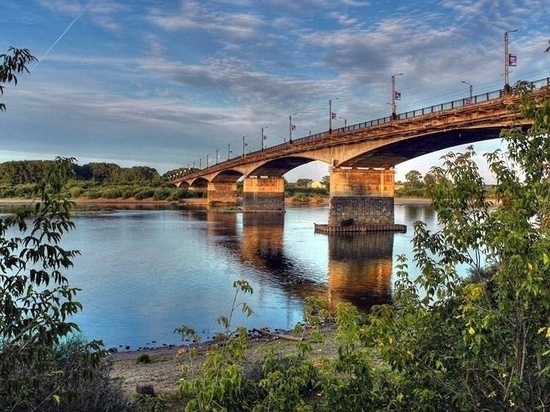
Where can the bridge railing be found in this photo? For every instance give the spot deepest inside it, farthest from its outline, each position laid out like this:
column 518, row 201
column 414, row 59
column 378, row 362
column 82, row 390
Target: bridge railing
column 480, row 98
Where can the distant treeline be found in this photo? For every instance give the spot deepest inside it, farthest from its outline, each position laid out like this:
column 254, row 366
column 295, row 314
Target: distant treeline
column 32, row 171
column 416, row 185
column 93, row 180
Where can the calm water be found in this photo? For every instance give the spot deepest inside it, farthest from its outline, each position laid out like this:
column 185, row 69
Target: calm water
column 145, row 272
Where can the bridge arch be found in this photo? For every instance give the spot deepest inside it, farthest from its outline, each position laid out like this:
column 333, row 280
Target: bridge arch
column 279, row 167
column 182, row 185
column 389, row 154
column 227, row 176
column 199, row 183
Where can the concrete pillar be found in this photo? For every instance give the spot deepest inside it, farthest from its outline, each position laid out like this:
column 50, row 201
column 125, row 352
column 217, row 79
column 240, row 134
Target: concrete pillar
column 361, row 197
column 263, row 194
column 222, row 192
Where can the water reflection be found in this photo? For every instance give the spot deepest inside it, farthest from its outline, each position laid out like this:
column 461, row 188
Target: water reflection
column 262, row 241
column 414, row 212
column 359, row 265
column 360, row 269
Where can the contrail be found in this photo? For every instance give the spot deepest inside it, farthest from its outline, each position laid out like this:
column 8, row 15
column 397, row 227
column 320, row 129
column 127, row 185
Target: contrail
column 65, row 32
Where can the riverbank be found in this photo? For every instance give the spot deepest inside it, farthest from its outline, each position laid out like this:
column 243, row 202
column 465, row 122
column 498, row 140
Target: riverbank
column 164, row 371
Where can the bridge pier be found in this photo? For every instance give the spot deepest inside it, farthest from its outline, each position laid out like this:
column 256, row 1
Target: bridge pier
column 362, row 198
column 263, row 194
column 222, row 192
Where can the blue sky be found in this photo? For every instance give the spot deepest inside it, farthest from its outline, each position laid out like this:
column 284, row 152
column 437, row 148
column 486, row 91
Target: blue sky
column 166, row 83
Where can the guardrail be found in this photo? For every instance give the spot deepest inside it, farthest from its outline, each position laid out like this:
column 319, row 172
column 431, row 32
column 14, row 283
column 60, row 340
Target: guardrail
column 480, row 98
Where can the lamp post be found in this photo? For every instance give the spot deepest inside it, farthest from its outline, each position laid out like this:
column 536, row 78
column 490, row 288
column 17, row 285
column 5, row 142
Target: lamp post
column 263, row 137
column 290, row 127
column 330, row 115
column 394, row 96
column 244, row 143
column 207, row 156
column 507, row 61
column 228, row 151
column 471, row 91
column 345, row 121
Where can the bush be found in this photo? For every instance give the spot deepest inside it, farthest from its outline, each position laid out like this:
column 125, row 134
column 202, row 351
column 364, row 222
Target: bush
column 40, row 369
column 111, row 193
column 85, row 380
column 161, row 194
column 144, row 194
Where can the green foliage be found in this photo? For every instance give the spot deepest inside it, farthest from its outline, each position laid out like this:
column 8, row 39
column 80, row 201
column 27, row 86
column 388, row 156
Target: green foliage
column 415, row 185
column 303, row 182
column 39, row 369
column 292, row 190
column 482, row 343
column 223, row 384
column 294, row 381
column 144, row 358
column 14, row 62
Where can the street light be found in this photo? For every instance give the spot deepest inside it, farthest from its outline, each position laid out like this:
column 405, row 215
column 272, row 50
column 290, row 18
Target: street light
column 290, row 127
column 308, row 130
column 263, row 137
column 508, row 58
column 394, row 96
column 244, row 143
column 330, row 115
column 345, row 121
column 207, row 156
column 471, row 91
column 228, row 151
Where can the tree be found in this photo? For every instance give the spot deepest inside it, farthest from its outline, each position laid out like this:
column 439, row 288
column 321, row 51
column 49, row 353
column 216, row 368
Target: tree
column 414, row 179
column 481, row 343
column 41, row 367
column 303, row 182
column 13, row 62
column 326, row 182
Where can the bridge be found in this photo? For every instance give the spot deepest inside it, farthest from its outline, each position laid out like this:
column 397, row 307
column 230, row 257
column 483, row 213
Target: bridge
column 361, row 158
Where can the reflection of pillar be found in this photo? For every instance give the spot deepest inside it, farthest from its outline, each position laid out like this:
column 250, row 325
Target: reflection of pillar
column 222, row 192
column 224, row 224
column 264, row 194
column 361, row 197
column 262, row 239
column 360, row 268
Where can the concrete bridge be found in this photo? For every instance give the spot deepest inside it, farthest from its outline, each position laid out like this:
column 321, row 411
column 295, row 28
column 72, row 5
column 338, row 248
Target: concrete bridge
column 361, row 158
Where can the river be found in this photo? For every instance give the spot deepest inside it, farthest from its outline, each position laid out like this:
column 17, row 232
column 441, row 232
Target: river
column 144, row 272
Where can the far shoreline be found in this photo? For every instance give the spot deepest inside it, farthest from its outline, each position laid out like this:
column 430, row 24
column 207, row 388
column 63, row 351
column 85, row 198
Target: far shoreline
column 84, row 201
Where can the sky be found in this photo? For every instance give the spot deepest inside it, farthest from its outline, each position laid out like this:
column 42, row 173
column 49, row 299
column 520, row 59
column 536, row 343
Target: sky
column 170, row 83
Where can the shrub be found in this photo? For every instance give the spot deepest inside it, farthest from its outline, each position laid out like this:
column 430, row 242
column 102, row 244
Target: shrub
column 40, row 369
column 144, row 194
column 143, row 358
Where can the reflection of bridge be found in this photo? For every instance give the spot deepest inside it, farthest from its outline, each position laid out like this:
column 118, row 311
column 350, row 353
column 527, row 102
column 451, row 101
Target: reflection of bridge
column 359, row 267
column 361, row 157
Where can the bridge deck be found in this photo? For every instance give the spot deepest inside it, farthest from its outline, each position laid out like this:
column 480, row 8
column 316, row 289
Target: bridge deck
column 488, row 110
